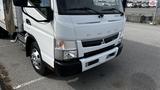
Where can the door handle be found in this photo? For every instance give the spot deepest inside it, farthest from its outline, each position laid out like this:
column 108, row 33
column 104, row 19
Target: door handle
column 28, row 22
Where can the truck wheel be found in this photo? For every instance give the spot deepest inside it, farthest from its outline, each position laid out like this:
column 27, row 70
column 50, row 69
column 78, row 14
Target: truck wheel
column 36, row 60
column 3, row 33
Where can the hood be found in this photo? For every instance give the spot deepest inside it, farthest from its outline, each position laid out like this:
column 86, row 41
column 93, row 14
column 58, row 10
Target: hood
column 83, row 27
column 91, row 27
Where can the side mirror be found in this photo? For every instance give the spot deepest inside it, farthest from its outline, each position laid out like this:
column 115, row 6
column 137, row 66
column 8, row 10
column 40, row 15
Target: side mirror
column 124, row 2
column 20, row 3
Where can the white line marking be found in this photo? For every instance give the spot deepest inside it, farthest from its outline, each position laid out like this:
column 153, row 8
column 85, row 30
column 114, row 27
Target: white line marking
column 28, row 83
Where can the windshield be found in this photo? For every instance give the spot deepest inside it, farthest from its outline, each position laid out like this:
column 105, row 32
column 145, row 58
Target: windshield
column 87, row 7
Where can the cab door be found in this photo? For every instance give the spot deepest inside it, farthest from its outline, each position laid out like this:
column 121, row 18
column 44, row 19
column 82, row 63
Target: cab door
column 1, row 11
column 41, row 31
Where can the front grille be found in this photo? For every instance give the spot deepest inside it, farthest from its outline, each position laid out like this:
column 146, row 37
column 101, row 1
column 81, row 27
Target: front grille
column 89, row 54
column 107, row 40
column 100, row 41
column 92, row 43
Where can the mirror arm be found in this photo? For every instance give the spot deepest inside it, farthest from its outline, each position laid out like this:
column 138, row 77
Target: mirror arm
column 31, row 16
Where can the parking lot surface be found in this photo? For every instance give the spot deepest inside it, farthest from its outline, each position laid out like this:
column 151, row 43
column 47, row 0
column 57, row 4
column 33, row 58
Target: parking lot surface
column 137, row 68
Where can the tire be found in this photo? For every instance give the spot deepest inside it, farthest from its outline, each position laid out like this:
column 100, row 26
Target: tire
column 36, row 60
column 3, row 34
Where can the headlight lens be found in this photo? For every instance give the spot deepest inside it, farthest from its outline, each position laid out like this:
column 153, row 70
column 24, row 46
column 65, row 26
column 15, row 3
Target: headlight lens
column 65, row 50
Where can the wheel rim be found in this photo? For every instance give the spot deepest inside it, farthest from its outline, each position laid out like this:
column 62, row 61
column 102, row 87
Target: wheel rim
column 36, row 60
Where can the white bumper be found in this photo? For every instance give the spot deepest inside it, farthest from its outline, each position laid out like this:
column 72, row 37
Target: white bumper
column 100, row 58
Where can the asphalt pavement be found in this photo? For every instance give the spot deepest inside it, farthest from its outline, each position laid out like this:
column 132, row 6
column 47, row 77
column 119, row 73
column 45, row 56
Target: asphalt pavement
column 137, row 68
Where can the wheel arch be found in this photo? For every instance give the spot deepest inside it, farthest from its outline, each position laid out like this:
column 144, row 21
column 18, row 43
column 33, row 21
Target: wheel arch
column 29, row 40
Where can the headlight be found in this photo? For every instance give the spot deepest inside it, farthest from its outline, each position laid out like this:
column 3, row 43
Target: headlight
column 65, row 50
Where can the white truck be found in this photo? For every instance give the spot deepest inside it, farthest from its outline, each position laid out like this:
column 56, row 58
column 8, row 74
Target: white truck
column 68, row 36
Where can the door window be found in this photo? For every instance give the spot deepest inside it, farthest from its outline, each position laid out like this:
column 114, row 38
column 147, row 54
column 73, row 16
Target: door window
column 41, row 3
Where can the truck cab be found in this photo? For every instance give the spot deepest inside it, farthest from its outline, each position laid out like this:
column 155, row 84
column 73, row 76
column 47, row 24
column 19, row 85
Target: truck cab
column 71, row 36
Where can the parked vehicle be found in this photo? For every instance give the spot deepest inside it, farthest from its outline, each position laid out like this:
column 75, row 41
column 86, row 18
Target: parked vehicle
column 130, row 5
column 138, row 4
column 69, row 36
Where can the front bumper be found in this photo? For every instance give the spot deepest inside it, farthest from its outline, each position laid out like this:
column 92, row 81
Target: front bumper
column 68, row 68
column 65, row 68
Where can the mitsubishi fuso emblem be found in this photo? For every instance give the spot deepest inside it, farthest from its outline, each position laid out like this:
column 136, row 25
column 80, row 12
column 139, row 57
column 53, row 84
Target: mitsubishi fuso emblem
column 103, row 42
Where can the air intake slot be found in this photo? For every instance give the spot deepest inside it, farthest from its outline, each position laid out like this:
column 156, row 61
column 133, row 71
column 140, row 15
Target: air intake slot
column 109, row 39
column 89, row 54
column 92, row 43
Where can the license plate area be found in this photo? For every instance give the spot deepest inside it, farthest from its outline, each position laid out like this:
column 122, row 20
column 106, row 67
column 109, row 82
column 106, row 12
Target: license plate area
column 90, row 62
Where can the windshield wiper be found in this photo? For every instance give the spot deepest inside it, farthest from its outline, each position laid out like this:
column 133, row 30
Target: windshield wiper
column 86, row 9
column 114, row 9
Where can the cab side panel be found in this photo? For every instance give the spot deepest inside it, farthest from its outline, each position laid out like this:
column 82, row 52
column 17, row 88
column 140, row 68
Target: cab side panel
column 2, row 22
